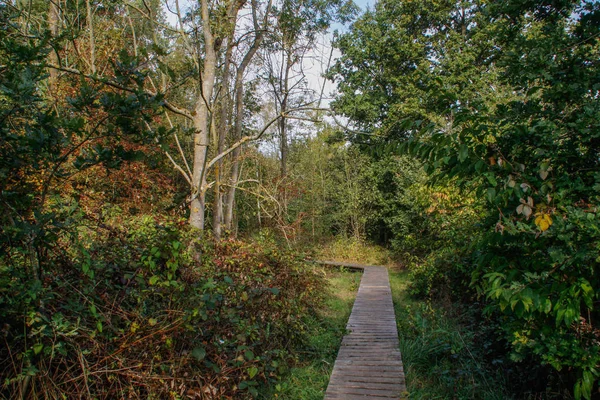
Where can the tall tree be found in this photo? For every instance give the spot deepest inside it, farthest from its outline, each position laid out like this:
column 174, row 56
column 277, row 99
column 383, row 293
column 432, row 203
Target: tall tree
column 260, row 25
column 184, row 64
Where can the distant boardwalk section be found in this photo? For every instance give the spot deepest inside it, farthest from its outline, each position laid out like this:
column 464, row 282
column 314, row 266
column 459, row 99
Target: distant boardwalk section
column 369, row 365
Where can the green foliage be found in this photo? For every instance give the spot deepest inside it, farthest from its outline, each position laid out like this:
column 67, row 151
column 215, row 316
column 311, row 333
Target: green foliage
column 346, row 191
column 132, row 302
column 444, row 350
column 500, row 98
column 98, row 303
column 43, row 145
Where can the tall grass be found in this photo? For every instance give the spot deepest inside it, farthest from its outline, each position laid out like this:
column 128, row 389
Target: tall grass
column 352, row 250
column 441, row 358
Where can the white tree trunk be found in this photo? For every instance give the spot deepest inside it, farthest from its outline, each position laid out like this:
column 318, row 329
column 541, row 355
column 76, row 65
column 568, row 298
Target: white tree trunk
column 202, row 122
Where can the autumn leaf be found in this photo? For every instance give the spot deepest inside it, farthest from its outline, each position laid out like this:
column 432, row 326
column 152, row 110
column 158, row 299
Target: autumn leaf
column 543, row 221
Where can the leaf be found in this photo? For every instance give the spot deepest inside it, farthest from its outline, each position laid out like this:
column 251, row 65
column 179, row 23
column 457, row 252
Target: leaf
column 491, row 194
column 274, row 290
column 154, row 279
column 560, row 315
column 577, row 390
column 152, row 321
column 249, row 355
column 548, row 306
column 525, row 210
column 588, row 293
column 463, row 152
column 530, row 201
column 543, row 222
column 199, row 353
column 587, row 384
column 252, row 371
column 491, row 179
column 37, row 348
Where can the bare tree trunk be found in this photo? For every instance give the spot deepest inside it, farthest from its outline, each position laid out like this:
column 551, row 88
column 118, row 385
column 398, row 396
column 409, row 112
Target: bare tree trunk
column 284, row 146
column 258, row 214
column 90, row 26
column 222, row 132
column 283, row 131
column 235, row 167
column 230, row 199
column 239, row 113
column 202, row 123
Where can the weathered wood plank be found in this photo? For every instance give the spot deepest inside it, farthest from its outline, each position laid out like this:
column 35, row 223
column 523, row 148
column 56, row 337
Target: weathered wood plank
column 369, row 363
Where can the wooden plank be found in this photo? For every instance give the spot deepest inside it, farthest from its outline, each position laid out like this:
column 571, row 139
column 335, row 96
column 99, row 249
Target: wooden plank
column 369, row 363
column 368, row 379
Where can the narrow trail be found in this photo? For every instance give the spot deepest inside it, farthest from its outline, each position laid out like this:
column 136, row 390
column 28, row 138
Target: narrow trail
column 369, row 364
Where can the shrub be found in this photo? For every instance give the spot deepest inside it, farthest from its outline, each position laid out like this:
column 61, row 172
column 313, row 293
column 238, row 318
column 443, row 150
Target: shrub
column 134, row 315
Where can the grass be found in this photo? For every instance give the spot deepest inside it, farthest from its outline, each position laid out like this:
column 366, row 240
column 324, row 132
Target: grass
column 441, row 352
column 441, row 357
column 308, row 379
column 353, row 251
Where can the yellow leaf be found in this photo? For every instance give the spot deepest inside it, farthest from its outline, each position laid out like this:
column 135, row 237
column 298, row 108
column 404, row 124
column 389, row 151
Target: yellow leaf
column 543, row 222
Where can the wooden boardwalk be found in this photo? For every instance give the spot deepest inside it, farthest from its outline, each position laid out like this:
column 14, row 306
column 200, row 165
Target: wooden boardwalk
column 369, row 365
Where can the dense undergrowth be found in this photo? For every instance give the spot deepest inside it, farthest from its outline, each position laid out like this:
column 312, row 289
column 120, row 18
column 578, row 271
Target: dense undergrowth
column 445, row 352
column 500, row 101
column 131, row 313
column 308, row 378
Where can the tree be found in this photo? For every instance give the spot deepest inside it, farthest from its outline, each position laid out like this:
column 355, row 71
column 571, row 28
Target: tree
column 501, row 97
column 260, row 30
column 40, row 147
column 184, row 78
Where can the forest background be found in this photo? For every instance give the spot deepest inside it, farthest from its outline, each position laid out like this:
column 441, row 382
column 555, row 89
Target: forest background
column 165, row 167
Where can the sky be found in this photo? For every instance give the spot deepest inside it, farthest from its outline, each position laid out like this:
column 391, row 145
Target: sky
column 315, row 65
column 365, row 3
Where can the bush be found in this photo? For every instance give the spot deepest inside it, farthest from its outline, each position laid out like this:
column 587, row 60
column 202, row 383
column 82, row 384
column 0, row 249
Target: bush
column 134, row 315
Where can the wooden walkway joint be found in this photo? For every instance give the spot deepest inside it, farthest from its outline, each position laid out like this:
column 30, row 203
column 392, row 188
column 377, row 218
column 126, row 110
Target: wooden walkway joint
column 369, row 364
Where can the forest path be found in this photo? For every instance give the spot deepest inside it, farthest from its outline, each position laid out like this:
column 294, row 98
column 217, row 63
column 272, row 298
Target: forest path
column 369, row 364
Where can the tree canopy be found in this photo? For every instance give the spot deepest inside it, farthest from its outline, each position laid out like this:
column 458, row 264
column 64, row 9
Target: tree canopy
column 500, row 98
